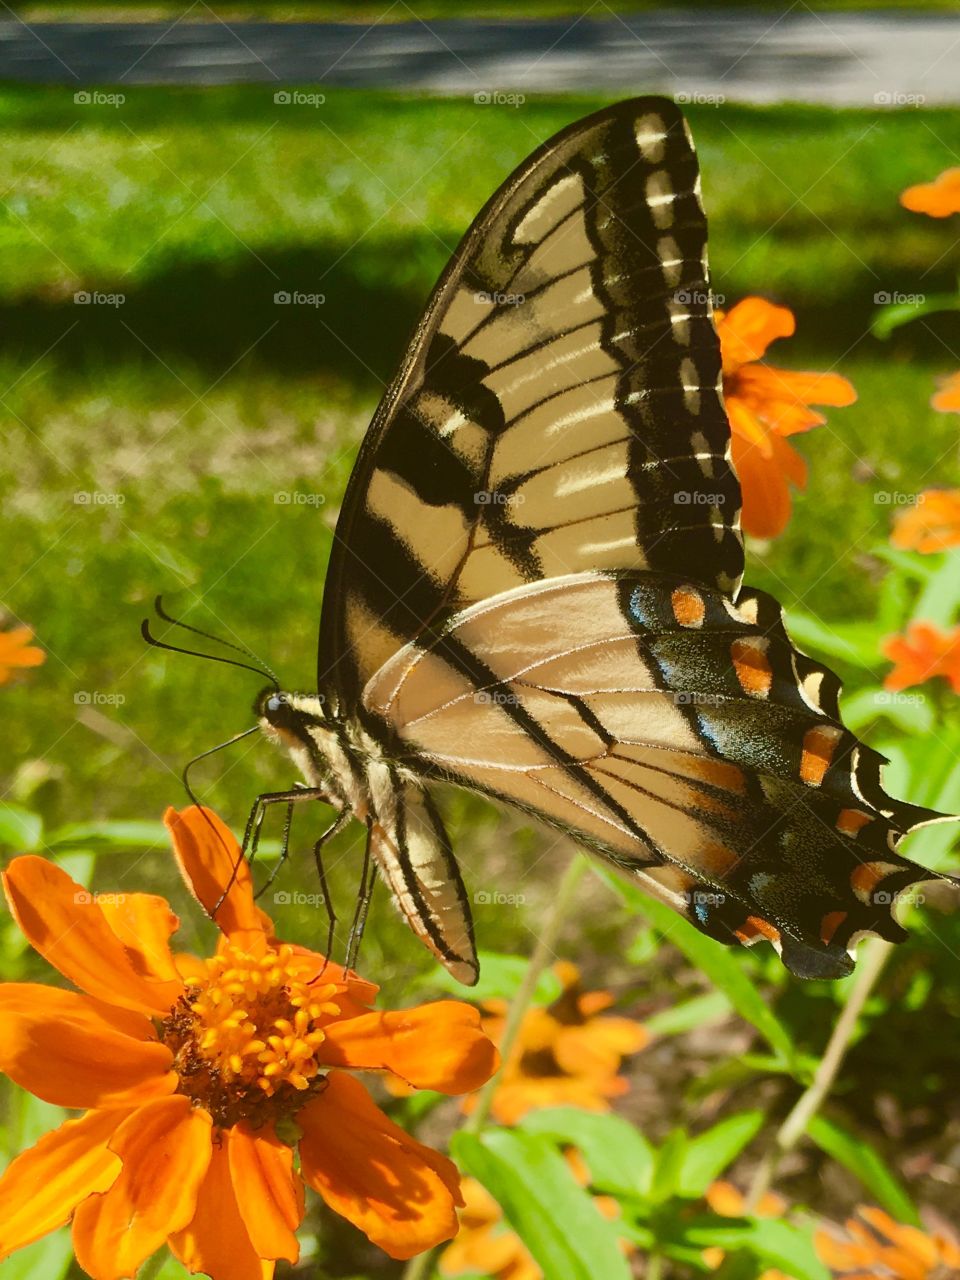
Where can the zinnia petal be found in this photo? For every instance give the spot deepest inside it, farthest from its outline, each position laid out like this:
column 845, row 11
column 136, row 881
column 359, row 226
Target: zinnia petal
column 268, row 1192
column 764, row 476
column 748, row 328
column 216, row 1242
column 401, row 1194
column 947, row 399
column 215, row 871
column 937, row 199
column 598, row 1046
column 144, row 924
column 16, row 651
column 933, row 524
column 41, row 1188
column 165, row 1149
column 76, row 1052
column 67, row 926
column 436, row 1046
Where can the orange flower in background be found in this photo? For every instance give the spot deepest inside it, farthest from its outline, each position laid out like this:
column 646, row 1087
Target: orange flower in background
column 947, row 399
column 932, row 525
column 875, row 1246
column 765, row 405
column 566, row 1053
column 196, row 1077
column 921, row 654
column 484, row 1244
column 939, row 198
column 16, row 652
column 727, row 1201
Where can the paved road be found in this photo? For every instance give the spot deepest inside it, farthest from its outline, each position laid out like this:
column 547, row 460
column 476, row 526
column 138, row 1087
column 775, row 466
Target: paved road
column 852, row 58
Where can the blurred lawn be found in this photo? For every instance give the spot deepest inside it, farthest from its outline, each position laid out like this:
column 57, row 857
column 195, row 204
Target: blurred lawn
column 196, row 402
column 379, row 11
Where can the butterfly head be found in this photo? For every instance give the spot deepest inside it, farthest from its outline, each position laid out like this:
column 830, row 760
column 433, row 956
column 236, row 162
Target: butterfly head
column 284, row 716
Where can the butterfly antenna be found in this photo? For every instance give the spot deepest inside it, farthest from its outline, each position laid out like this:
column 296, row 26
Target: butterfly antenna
column 260, row 666
column 211, row 657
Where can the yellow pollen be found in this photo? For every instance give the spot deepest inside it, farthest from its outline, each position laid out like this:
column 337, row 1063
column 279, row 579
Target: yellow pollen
column 252, row 1022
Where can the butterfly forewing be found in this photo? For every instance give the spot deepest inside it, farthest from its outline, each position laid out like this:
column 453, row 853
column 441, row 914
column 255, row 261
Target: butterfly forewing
column 559, row 410
column 668, row 729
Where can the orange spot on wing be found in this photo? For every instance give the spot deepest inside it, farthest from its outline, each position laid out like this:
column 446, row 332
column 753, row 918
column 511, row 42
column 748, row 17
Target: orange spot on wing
column 865, row 878
column 829, row 925
column 819, row 745
column 752, row 666
column 757, row 927
column 688, row 607
column 850, row 821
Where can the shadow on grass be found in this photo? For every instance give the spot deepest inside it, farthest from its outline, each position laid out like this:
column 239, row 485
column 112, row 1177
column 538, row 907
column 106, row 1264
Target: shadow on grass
column 346, row 314
column 205, row 318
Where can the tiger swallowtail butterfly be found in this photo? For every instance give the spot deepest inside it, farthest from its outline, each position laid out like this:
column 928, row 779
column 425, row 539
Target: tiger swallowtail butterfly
column 535, row 587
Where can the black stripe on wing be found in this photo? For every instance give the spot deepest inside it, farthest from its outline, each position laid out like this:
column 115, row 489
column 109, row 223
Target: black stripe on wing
column 559, row 408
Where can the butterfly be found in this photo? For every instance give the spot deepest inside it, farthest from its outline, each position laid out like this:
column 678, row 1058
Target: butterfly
column 535, row 590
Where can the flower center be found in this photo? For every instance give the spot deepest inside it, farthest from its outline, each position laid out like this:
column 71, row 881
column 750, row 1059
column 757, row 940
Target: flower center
column 245, row 1036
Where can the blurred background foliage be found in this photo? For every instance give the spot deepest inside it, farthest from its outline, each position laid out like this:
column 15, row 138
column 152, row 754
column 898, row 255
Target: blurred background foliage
column 194, row 414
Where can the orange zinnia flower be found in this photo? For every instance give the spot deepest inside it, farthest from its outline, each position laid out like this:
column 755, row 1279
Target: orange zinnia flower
column 922, row 654
column 765, row 405
column 198, row 1077
column 484, row 1244
column 939, row 198
column 932, row 525
column 727, row 1201
column 947, row 399
column 876, row 1246
column 565, row 1054
column 17, row 651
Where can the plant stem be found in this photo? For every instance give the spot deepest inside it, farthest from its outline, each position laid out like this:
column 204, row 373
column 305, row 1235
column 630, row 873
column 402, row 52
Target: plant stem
column 421, row 1266
column 874, row 956
column 543, row 953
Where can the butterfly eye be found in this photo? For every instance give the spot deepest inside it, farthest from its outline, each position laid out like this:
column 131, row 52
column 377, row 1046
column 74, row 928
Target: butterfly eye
column 271, row 705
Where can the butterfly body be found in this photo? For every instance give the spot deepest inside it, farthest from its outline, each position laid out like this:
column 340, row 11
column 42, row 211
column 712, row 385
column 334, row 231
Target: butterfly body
column 535, row 590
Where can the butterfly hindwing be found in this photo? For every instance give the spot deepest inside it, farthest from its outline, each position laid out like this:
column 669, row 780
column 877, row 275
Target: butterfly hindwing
column 679, row 735
column 559, row 410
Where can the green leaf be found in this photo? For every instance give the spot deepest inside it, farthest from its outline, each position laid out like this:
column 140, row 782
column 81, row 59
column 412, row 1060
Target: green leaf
column 500, row 978
column 710, row 1153
column 912, row 712
column 668, row 1167
column 860, row 1158
column 939, row 600
column 554, row 1217
column 619, row 1157
column 20, row 830
column 104, row 836
column 715, row 960
column 856, row 643
column 701, row 1011
column 49, row 1258
column 776, row 1243
column 895, row 314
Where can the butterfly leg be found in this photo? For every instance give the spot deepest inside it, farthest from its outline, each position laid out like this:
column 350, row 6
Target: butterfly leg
column 368, row 877
column 339, row 822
